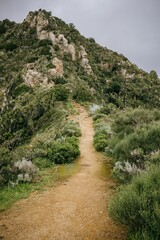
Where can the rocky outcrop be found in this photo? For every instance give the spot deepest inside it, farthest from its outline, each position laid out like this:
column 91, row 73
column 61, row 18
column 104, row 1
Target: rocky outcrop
column 63, row 44
column 62, row 41
column 72, row 51
column 34, row 78
column 58, row 70
column 40, row 22
column 42, row 35
column 127, row 75
column 84, row 61
column 52, row 37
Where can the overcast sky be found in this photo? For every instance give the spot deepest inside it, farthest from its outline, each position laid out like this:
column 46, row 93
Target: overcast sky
column 130, row 27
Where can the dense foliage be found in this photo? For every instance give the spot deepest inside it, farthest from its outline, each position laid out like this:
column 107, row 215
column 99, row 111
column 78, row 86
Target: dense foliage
column 137, row 206
column 133, row 143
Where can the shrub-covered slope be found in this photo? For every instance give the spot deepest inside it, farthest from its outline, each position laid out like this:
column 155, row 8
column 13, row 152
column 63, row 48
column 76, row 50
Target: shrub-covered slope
column 44, row 63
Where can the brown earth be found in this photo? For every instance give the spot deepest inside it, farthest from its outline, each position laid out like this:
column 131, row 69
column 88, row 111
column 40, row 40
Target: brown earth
column 74, row 210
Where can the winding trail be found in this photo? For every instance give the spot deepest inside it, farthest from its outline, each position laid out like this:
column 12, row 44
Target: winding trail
column 74, row 210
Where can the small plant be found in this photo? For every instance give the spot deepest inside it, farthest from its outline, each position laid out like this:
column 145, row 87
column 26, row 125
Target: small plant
column 100, row 142
column 125, row 171
column 71, row 129
column 6, row 163
column 61, row 93
column 102, row 134
column 24, row 170
column 64, row 150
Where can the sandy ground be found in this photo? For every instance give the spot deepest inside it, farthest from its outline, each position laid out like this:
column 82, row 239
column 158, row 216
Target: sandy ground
column 74, row 210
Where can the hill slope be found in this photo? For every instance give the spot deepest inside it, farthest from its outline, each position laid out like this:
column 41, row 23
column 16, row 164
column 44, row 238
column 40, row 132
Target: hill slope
column 45, row 63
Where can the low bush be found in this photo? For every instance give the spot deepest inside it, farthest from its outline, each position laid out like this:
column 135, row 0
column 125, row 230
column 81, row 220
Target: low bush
column 82, row 92
column 64, row 150
column 137, row 205
column 100, row 141
column 71, row 129
column 108, row 109
column 61, row 93
column 98, row 116
column 102, row 133
column 6, row 164
column 125, row 171
column 147, row 139
column 126, row 122
column 24, row 171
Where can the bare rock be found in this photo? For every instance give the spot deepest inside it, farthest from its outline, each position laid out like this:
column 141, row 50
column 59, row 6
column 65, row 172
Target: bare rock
column 52, row 37
column 58, row 70
column 42, row 22
column 72, row 51
column 34, row 78
column 42, row 35
column 61, row 39
column 127, row 75
column 84, row 61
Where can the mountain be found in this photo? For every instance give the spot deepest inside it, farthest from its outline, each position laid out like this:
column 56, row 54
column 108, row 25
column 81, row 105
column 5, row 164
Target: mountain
column 44, row 62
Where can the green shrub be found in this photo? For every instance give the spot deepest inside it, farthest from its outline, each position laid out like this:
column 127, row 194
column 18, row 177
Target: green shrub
column 61, row 93
column 108, row 108
column 71, row 129
column 137, row 205
column 10, row 46
column 82, row 93
column 44, row 43
column 64, row 151
column 59, row 80
column 147, row 139
column 6, row 164
column 100, row 141
column 126, row 122
column 98, row 116
column 20, row 89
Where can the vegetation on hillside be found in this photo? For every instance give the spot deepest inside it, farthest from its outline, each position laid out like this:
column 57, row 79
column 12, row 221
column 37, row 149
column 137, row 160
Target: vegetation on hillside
column 132, row 138
column 44, row 64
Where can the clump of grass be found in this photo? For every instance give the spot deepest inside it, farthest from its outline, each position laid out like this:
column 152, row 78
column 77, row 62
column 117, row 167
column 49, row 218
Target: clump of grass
column 48, row 177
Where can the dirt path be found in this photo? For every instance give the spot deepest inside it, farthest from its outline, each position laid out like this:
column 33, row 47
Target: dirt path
column 74, row 210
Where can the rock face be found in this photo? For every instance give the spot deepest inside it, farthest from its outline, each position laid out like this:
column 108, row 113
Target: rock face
column 58, row 70
column 52, row 37
column 127, row 75
column 34, row 78
column 85, row 61
column 72, row 51
column 40, row 22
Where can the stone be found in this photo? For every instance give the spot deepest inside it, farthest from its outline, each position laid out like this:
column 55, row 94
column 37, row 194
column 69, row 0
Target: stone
column 58, row 70
column 42, row 35
column 34, row 78
column 84, row 61
column 52, row 37
column 72, row 51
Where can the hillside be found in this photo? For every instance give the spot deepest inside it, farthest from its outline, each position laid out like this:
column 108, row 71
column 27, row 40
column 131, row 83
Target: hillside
column 44, row 60
column 45, row 63
column 48, row 70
